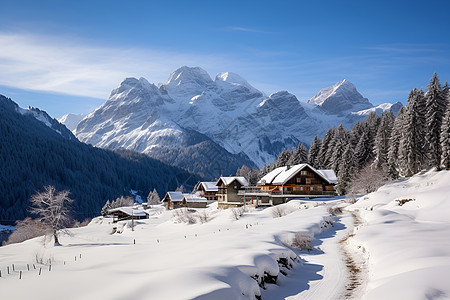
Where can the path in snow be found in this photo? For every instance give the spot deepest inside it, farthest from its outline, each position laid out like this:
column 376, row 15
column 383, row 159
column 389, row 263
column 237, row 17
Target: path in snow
column 323, row 274
column 354, row 262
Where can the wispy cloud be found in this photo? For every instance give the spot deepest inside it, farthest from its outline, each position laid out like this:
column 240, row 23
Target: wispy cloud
column 242, row 29
column 76, row 67
column 405, row 48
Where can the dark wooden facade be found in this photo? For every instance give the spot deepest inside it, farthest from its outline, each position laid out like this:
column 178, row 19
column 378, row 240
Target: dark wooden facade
column 305, row 182
column 209, row 195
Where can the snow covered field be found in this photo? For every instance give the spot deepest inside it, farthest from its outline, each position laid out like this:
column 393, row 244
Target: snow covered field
column 170, row 260
column 398, row 252
column 407, row 246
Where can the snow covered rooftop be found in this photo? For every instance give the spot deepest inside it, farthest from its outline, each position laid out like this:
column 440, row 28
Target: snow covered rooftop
column 282, row 174
column 229, row 180
column 194, row 198
column 329, row 175
column 176, row 196
column 209, row 186
column 129, row 211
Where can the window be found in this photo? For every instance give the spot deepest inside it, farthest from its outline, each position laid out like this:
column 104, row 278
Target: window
column 235, row 187
column 303, row 172
column 294, row 188
column 301, row 188
column 299, row 180
column 308, row 180
column 311, row 188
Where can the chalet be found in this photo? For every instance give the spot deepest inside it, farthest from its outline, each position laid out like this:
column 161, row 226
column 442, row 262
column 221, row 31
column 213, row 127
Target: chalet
column 228, row 189
column 127, row 213
column 207, row 189
column 174, row 200
column 178, row 199
column 285, row 183
column 195, row 201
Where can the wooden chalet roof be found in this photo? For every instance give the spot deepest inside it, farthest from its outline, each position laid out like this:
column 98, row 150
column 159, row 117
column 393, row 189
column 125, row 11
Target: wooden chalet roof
column 228, row 180
column 281, row 175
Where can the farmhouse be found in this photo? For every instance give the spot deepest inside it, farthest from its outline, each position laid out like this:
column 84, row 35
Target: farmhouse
column 288, row 182
column 127, row 213
column 227, row 193
column 174, row 200
column 207, row 189
column 179, row 199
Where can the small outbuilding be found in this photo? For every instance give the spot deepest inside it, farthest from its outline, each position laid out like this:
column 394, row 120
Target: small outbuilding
column 195, row 201
column 127, row 213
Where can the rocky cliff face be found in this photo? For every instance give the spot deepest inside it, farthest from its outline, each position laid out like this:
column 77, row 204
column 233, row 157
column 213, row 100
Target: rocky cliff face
column 226, row 112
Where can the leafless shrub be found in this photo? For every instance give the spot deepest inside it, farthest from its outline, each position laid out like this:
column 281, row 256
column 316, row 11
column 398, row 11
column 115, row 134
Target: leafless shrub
column 238, row 212
column 40, row 258
column 280, row 211
column 302, row 241
column 403, row 201
column 25, row 230
column 183, row 215
column 334, row 210
column 204, row 216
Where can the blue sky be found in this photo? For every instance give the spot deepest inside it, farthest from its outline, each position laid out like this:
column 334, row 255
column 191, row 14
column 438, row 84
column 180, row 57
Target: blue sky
column 66, row 56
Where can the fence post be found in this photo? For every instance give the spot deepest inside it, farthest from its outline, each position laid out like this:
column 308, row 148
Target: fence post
column 40, row 270
column 7, row 269
column 28, row 267
column 20, row 276
column 13, row 267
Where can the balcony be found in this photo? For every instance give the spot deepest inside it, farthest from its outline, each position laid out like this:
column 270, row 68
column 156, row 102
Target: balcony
column 256, row 191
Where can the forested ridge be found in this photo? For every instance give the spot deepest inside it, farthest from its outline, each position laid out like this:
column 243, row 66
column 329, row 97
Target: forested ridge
column 33, row 155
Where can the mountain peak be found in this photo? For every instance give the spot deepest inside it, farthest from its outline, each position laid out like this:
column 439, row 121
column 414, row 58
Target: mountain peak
column 341, row 97
column 187, row 82
column 188, row 75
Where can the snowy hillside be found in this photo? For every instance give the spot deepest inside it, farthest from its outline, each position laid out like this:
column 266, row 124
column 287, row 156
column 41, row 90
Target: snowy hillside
column 381, row 250
column 229, row 111
column 405, row 238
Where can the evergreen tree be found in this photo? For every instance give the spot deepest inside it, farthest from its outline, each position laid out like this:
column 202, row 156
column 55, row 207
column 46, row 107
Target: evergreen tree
column 411, row 151
column 300, row 156
column 435, row 110
column 105, row 208
column 445, row 139
column 153, row 198
column 322, row 160
column 338, row 152
column 347, row 169
column 363, row 151
column 313, row 152
column 394, row 143
column 284, row 158
column 382, row 140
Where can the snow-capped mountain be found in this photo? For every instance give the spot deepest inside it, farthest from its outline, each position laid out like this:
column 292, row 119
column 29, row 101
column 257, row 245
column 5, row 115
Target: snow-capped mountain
column 340, row 99
column 71, row 121
column 190, row 109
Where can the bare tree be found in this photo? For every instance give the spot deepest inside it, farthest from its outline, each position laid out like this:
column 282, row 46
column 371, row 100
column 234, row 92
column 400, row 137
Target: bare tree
column 368, row 180
column 52, row 207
